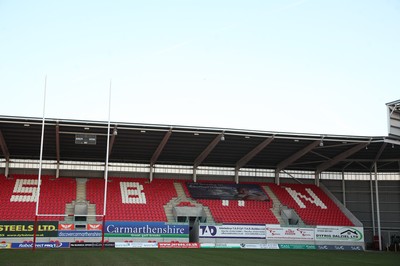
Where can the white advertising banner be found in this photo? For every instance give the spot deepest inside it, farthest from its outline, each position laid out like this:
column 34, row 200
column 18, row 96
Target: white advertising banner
column 338, row 233
column 232, row 231
column 275, row 232
column 260, row 246
column 136, row 245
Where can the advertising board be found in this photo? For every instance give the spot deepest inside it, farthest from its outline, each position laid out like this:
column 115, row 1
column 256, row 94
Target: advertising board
column 226, row 191
column 26, row 229
column 145, row 229
column 337, row 233
column 92, row 245
column 41, row 245
column 83, row 233
column 275, row 232
column 232, row 231
column 178, row 245
column 136, row 245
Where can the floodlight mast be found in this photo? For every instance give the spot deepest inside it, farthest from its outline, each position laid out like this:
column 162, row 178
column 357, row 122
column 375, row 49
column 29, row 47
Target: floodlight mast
column 40, row 167
column 106, row 169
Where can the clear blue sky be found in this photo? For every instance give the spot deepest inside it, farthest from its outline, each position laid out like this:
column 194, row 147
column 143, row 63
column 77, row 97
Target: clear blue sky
column 324, row 67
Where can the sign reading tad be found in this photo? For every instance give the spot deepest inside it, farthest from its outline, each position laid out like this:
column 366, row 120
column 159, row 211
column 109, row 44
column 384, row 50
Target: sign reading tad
column 88, row 139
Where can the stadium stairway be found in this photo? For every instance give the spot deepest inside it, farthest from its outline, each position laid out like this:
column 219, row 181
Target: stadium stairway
column 278, row 208
column 183, row 200
column 71, row 207
column 276, row 205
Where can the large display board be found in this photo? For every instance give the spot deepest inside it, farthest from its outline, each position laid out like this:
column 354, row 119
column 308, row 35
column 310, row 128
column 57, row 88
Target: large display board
column 226, row 191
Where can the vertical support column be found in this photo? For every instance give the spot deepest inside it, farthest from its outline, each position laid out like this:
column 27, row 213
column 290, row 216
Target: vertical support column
column 151, row 172
column 194, row 174
column 58, row 170
column 237, row 176
column 372, row 204
column 378, row 218
column 7, row 168
column 343, row 190
column 317, row 175
column 277, row 179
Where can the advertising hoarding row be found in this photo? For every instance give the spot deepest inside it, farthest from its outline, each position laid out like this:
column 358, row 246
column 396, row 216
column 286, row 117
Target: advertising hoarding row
column 278, row 233
column 153, row 245
column 111, row 229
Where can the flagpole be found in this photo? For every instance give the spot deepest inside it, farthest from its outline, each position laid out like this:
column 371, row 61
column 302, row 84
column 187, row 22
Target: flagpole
column 106, row 168
column 40, row 166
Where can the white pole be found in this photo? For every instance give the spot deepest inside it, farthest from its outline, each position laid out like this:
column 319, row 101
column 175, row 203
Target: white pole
column 372, row 204
column 107, row 153
column 40, row 169
column 41, row 148
column 343, row 190
column 378, row 216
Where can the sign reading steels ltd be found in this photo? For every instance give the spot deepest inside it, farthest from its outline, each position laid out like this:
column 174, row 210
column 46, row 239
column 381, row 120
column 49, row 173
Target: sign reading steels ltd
column 26, row 229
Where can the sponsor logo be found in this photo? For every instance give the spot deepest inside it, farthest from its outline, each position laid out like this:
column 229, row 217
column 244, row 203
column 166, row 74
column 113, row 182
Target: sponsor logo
column 41, row 245
column 79, row 233
column 232, row 231
column 5, row 245
column 338, row 234
column 92, row 245
column 94, row 227
column 25, row 229
column 178, row 245
column 66, row 227
column 145, row 229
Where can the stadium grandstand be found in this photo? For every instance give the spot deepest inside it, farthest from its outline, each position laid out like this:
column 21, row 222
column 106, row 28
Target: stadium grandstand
column 207, row 186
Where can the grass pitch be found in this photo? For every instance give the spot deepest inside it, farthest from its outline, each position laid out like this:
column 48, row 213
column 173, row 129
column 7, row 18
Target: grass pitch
column 203, row 257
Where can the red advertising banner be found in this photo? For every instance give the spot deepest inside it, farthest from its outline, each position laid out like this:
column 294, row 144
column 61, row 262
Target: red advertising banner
column 178, row 245
column 65, row 227
column 98, row 227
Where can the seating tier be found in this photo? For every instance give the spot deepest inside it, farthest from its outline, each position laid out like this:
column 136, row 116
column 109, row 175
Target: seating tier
column 312, row 205
column 132, row 199
column 19, row 195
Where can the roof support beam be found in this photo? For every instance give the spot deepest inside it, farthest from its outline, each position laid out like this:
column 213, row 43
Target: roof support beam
column 245, row 159
column 294, row 157
column 326, row 165
column 379, row 154
column 58, row 150
column 160, row 148
column 203, row 155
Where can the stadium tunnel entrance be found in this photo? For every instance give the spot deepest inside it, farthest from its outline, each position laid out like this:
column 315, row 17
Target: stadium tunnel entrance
column 193, row 215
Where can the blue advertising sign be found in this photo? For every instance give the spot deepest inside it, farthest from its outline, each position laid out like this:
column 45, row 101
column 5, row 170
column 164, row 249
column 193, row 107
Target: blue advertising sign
column 90, row 233
column 145, row 229
column 41, row 245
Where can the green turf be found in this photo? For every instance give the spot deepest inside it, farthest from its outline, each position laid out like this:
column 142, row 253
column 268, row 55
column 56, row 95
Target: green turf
column 203, row 257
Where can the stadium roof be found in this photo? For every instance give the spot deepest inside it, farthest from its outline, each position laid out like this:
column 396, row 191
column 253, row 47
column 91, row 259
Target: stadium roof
column 20, row 138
